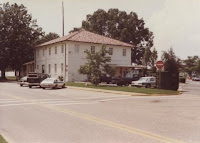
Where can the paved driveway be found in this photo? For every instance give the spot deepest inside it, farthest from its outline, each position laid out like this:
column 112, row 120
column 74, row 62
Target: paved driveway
column 69, row 115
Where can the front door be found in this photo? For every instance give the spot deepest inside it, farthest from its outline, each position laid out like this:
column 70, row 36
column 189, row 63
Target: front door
column 42, row 68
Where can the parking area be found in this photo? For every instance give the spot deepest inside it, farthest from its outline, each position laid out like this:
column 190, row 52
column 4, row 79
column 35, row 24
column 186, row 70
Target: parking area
column 71, row 115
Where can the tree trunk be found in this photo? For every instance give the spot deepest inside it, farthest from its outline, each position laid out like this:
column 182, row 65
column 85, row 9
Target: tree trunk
column 3, row 74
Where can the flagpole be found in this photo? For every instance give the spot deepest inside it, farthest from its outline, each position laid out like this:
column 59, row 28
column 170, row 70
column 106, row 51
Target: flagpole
column 63, row 33
column 63, row 19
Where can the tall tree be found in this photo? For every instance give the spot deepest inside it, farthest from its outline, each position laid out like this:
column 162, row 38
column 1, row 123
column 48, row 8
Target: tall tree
column 122, row 26
column 147, row 56
column 21, row 33
column 47, row 37
column 4, row 47
column 171, row 62
column 190, row 64
column 153, row 59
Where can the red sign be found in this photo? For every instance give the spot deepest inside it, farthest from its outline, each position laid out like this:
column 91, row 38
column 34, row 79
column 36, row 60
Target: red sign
column 160, row 64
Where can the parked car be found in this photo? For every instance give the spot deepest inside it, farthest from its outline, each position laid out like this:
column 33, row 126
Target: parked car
column 52, row 83
column 147, row 82
column 125, row 80
column 34, row 79
column 196, row 79
column 182, row 79
column 23, row 81
column 105, row 78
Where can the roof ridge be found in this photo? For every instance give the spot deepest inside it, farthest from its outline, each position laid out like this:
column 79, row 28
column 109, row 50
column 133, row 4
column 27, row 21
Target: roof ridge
column 108, row 37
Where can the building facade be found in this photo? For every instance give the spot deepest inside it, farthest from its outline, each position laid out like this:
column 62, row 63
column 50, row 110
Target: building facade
column 63, row 56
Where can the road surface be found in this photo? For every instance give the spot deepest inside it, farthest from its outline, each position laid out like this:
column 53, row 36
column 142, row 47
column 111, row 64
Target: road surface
column 76, row 116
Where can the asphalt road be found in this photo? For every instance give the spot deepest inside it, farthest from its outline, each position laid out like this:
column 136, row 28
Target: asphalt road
column 76, row 116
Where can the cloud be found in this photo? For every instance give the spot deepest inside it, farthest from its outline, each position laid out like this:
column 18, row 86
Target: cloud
column 177, row 25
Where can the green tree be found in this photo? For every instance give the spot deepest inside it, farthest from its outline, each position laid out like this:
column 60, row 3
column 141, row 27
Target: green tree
column 122, row 26
column 97, row 65
column 19, row 35
column 4, row 47
column 47, row 37
column 147, row 56
column 171, row 62
column 153, row 59
column 190, row 64
column 198, row 67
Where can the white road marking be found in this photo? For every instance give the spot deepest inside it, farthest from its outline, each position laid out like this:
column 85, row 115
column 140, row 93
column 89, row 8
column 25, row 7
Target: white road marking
column 6, row 99
column 9, row 101
column 16, row 104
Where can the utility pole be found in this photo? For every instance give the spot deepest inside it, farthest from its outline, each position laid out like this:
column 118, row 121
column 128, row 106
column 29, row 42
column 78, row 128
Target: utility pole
column 63, row 19
column 63, row 34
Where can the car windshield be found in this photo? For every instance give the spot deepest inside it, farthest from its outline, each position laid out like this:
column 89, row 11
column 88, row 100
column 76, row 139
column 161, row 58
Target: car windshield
column 24, row 78
column 32, row 75
column 143, row 79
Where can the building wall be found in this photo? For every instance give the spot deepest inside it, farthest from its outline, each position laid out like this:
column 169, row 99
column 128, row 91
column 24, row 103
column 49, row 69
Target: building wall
column 51, row 59
column 78, row 58
column 74, row 58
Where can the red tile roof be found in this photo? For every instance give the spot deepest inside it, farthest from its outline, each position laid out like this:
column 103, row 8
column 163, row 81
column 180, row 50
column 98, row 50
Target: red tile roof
column 87, row 37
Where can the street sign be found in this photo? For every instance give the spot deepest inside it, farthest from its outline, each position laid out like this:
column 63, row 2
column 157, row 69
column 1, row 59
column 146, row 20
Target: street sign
column 160, row 64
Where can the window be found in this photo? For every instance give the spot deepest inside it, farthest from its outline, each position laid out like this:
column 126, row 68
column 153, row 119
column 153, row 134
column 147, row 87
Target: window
column 152, row 79
column 37, row 66
column 49, row 68
column 124, row 52
column 55, row 50
column 76, row 48
column 55, row 68
column 62, row 49
column 62, row 67
column 92, row 49
column 110, row 51
column 43, row 52
column 49, row 51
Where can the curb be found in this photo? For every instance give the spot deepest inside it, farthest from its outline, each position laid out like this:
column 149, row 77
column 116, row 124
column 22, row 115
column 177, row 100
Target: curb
column 108, row 91
column 117, row 92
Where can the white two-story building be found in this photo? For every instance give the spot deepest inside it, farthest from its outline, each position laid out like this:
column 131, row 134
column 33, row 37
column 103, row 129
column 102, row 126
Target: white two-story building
column 63, row 56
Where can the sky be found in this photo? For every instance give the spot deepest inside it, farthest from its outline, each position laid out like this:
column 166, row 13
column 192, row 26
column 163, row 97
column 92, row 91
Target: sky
column 174, row 23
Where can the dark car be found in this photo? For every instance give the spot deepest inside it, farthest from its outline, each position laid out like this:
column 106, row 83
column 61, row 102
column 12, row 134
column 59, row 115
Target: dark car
column 125, row 80
column 34, row 79
column 107, row 79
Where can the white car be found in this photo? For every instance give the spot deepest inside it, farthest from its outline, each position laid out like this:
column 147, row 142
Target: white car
column 23, row 81
column 52, row 83
column 147, row 82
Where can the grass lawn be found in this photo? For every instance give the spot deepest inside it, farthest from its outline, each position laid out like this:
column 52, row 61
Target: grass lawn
column 8, row 78
column 2, row 140
column 11, row 77
column 126, row 89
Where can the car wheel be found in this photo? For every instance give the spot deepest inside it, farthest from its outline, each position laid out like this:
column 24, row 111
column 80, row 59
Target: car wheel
column 21, row 84
column 148, row 86
column 30, row 86
column 55, row 86
column 43, row 88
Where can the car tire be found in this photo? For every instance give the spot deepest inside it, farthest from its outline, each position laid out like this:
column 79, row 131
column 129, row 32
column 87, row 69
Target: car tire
column 43, row 88
column 30, row 86
column 55, row 87
column 21, row 84
column 148, row 86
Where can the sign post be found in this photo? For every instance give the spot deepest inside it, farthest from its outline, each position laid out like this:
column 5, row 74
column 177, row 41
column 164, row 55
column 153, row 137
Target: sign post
column 159, row 66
